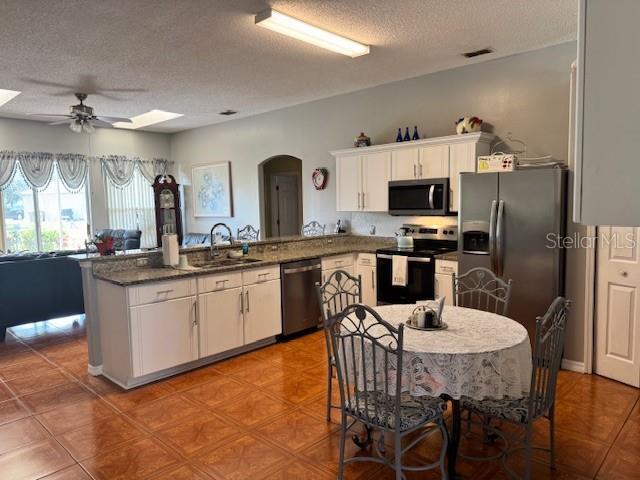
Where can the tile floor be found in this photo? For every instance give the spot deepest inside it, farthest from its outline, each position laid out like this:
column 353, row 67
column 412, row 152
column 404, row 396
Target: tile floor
column 259, row 416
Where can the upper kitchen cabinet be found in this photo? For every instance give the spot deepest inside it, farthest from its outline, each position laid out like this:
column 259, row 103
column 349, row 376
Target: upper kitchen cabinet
column 607, row 167
column 363, row 174
column 361, row 182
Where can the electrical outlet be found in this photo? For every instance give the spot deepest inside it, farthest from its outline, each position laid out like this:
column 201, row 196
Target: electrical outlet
column 142, row 262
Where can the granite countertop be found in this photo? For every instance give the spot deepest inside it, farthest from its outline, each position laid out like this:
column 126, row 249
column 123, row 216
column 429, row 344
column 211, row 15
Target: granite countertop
column 450, row 256
column 139, row 275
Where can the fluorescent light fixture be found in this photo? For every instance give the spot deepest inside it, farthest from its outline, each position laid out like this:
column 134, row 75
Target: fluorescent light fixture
column 7, row 95
column 146, row 119
column 281, row 23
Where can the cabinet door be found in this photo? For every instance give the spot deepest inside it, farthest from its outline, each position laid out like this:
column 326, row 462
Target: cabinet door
column 348, row 183
column 327, row 273
column 443, row 287
column 368, row 279
column 262, row 314
column 163, row 335
column 221, row 325
column 434, row 161
column 462, row 158
column 376, row 171
column 404, row 164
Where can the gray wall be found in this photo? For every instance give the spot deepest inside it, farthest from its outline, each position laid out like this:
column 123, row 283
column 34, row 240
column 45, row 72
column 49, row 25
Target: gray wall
column 526, row 94
column 30, row 136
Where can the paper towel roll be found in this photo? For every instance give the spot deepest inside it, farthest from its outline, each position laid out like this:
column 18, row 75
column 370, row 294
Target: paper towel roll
column 170, row 249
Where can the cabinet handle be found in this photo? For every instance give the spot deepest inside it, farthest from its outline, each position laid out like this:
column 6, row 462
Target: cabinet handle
column 420, row 170
column 373, row 280
column 414, row 171
column 247, row 294
column 358, row 199
column 195, row 313
column 241, row 303
column 159, row 292
column 363, row 203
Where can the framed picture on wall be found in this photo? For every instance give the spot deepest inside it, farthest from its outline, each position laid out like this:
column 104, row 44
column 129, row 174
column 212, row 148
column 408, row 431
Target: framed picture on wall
column 211, row 190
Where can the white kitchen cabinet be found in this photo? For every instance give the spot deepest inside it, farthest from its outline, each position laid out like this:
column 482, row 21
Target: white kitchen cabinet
column 434, row 161
column 443, row 287
column 462, row 158
column 262, row 312
column 221, row 321
column 405, row 164
column 606, row 153
column 163, row 335
column 327, row 273
column 366, row 268
column 362, row 183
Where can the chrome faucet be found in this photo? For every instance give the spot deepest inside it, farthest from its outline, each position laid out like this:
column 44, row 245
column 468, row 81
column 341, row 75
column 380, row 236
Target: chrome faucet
column 215, row 251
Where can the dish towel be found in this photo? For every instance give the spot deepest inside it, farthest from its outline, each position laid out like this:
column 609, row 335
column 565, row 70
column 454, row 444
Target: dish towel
column 399, row 267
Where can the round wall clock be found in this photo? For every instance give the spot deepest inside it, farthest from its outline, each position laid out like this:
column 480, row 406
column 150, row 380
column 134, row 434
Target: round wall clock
column 319, row 178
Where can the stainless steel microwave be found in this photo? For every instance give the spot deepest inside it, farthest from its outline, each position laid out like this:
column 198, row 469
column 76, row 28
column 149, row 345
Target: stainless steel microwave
column 429, row 196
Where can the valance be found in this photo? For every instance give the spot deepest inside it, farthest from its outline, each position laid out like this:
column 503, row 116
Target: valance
column 37, row 168
column 119, row 169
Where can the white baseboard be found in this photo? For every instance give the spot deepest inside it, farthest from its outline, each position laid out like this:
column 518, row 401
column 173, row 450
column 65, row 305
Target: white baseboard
column 94, row 370
column 573, row 366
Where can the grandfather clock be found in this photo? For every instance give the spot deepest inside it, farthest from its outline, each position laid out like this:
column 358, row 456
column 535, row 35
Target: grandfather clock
column 167, row 198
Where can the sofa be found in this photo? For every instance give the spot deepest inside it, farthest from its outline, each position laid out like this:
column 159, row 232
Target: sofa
column 38, row 286
column 122, row 239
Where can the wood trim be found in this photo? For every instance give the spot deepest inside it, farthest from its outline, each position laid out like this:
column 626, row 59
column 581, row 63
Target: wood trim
column 478, row 137
column 590, row 299
column 573, row 366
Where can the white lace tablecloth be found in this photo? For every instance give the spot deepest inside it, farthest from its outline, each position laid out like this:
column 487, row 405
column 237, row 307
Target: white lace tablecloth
column 481, row 355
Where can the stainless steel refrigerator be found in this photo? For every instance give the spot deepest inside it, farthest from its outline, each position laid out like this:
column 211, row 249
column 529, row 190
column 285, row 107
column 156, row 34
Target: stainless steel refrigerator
column 510, row 223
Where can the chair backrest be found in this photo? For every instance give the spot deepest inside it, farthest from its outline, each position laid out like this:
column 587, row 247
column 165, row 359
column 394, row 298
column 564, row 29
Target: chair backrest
column 313, row 228
column 479, row 288
column 248, row 233
column 368, row 352
column 548, row 346
column 337, row 292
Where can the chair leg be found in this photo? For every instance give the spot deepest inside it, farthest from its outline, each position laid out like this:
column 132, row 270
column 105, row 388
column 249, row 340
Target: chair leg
column 329, row 389
column 552, row 437
column 445, row 447
column 398, row 456
column 343, row 434
column 528, row 451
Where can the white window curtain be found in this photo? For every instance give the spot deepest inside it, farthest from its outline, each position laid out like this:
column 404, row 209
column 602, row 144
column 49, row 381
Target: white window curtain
column 37, row 169
column 132, row 206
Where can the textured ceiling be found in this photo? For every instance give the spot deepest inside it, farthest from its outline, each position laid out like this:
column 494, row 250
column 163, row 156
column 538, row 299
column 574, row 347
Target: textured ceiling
column 199, row 57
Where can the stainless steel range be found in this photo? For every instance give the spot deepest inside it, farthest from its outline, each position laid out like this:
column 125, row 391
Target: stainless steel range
column 428, row 241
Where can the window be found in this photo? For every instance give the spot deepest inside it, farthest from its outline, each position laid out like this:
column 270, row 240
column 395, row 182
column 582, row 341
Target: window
column 54, row 219
column 133, row 208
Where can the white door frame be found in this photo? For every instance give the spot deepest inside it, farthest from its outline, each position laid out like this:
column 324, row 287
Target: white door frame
column 590, row 298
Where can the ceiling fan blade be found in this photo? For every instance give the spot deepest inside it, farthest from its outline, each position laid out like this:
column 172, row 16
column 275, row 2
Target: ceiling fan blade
column 48, row 115
column 61, row 122
column 114, row 119
column 99, row 123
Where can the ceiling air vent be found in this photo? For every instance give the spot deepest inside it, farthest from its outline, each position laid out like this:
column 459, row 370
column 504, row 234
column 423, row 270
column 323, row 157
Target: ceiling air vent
column 477, row 53
column 228, row 112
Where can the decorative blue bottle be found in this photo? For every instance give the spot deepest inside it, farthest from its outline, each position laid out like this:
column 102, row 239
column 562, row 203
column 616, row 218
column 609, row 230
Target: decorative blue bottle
column 407, row 137
column 415, row 133
column 399, row 136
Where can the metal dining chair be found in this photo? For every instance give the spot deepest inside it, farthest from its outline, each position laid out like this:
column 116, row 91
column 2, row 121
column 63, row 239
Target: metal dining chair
column 313, row 229
column 368, row 353
column 480, row 289
column 338, row 291
column 547, row 355
column 248, row 233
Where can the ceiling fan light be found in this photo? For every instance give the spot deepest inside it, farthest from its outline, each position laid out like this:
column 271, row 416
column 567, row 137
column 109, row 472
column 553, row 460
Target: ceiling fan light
column 87, row 127
column 76, row 126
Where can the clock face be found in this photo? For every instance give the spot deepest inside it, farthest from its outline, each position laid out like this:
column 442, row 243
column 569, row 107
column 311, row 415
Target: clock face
column 318, row 178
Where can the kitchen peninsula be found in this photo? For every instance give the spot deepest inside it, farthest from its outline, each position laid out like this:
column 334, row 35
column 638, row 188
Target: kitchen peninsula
column 146, row 321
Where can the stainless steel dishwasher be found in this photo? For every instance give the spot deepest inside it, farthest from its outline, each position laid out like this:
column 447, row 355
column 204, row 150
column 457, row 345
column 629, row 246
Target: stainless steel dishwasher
column 300, row 308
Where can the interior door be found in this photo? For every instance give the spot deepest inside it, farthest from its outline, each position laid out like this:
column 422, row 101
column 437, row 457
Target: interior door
column 221, row 326
column 617, row 339
column 284, row 205
column 376, row 171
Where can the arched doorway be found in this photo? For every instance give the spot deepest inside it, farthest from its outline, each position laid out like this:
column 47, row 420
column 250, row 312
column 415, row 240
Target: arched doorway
column 281, row 196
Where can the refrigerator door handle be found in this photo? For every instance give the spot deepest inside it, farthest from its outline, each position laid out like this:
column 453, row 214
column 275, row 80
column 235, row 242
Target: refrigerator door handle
column 431, row 190
column 500, row 239
column 492, row 237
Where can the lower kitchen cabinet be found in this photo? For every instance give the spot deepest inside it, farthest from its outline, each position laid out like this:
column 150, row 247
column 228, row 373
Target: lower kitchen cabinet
column 163, row 335
column 221, row 321
column 443, row 280
column 262, row 312
column 366, row 268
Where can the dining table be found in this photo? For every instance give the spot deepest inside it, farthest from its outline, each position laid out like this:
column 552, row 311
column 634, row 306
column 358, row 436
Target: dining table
column 479, row 355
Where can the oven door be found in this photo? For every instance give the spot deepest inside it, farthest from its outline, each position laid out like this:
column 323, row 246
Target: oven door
column 420, row 280
column 419, row 197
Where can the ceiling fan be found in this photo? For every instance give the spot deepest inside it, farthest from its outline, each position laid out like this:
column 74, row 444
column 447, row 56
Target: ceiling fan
column 82, row 118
